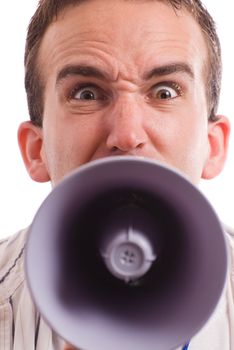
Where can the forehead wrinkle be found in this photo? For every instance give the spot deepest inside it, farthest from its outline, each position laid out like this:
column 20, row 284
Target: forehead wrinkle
column 69, row 44
column 181, row 55
column 97, row 54
column 107, row 48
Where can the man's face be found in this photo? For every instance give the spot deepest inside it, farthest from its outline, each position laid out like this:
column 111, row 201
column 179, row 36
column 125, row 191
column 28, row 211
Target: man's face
column 124, row 78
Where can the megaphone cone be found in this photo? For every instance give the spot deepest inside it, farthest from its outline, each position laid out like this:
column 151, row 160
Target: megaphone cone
column 126, row 254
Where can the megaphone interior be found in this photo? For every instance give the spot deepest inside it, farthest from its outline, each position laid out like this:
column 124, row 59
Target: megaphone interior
column 127, row 254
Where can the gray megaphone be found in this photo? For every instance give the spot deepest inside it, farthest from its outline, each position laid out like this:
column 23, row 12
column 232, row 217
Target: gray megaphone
column 126, row 254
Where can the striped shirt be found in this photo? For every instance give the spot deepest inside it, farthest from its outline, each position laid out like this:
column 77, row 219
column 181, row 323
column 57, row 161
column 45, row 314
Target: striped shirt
column 22, row 328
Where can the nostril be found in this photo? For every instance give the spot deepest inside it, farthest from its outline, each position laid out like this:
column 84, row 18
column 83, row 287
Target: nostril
column 114, row 149
column 124, row 144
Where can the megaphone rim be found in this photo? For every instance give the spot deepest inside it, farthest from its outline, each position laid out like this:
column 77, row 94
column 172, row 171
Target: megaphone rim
column 122, row 159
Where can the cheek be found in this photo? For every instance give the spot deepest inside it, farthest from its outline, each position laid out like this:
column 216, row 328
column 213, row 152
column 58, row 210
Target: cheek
column 68, row 143
column 194, row 147
column 172, row 134
column 182, row 139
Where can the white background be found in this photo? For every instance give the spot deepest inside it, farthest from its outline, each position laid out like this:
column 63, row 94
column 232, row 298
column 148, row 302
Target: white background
column 19, row 195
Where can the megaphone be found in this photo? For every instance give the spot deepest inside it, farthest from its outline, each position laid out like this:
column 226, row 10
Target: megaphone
column 127, row 254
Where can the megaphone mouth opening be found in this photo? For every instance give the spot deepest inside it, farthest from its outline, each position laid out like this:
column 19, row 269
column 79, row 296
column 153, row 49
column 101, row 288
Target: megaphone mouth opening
column 82, row 265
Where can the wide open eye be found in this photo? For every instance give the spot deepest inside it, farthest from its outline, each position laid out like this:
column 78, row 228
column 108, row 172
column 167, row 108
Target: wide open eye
column 165, row 92
column 87, row 93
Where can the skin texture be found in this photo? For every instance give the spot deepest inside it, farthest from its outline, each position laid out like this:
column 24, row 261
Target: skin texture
column 124, row 111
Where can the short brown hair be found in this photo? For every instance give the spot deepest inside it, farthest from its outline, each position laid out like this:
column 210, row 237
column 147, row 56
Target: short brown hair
column 48, row 10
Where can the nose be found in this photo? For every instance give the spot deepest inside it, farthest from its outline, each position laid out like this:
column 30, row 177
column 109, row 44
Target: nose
column 126, row 128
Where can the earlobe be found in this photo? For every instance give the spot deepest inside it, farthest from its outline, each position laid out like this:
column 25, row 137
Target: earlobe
column 30, row 141
column 218, row 138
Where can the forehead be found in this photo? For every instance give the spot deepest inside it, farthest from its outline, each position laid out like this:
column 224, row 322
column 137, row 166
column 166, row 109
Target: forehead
column 131, row 34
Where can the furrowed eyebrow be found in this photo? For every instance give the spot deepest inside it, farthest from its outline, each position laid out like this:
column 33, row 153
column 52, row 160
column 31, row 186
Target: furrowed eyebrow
column 170, row 69
column 89, row 71
column 85, row 71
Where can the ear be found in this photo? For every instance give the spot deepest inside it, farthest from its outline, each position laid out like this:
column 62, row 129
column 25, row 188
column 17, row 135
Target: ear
column 30, row 139
column 69, row 347
column 218, row 139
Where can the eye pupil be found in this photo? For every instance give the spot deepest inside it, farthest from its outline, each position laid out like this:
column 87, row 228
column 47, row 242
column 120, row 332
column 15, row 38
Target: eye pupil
column 164, row 94
column 87, row 95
